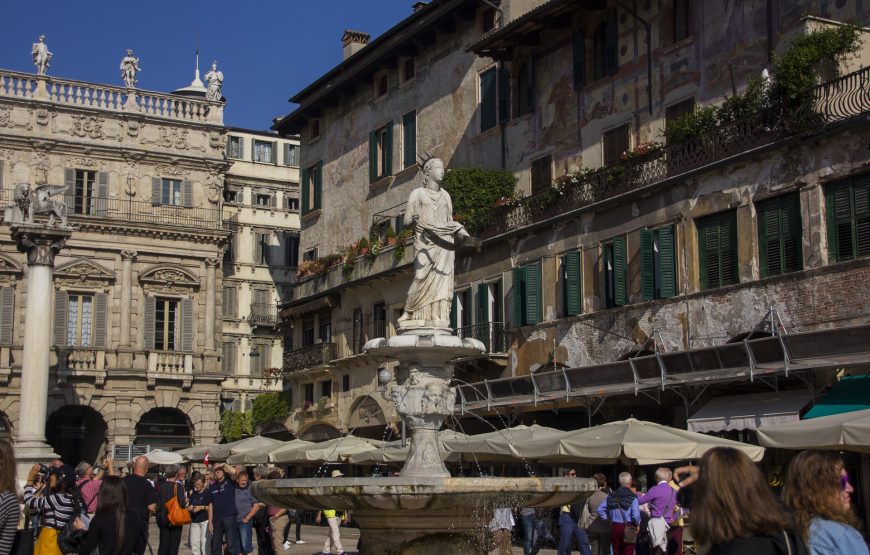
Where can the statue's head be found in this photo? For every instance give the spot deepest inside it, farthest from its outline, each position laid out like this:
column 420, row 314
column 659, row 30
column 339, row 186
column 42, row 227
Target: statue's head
column 214, row 65
column 433, row 170
column 22, row 190
column 129, row 52
column 41, row 38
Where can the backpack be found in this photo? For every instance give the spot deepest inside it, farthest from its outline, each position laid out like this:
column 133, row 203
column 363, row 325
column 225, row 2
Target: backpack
column 70, row 539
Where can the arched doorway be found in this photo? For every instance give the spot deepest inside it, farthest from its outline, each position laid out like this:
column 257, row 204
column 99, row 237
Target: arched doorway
column 320, row 432
column 76, row 433
column 164, row 428
column 367, row 419
column 276, row 430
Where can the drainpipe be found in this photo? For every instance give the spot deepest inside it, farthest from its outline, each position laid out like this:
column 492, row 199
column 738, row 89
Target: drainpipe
column 649, row 70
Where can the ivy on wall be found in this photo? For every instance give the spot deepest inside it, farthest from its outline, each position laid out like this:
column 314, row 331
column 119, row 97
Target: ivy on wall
column 477, row 190
column 236, row 425
column 270, row 407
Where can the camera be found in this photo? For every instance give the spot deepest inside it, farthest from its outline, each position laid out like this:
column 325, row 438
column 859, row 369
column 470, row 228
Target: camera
column 43, row 470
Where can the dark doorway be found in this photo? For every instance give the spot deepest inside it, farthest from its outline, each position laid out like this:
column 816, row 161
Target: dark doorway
column 76, row 433
column 164, row 428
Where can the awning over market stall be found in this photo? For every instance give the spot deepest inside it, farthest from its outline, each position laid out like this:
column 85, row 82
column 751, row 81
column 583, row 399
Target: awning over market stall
column 850, row 394
column 742, row 412
column 333, row 450
column 261, row 455
column 849, row 431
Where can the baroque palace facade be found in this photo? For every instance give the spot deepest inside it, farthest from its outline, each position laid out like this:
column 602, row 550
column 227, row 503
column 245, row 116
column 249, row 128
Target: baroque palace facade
column 138, row 351
column 618, row 281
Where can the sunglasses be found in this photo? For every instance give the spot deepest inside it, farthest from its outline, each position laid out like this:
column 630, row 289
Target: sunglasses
column 844, row 481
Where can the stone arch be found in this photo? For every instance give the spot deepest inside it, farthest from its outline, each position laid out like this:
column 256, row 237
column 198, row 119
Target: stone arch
column 277, row 430
column 77, row 433
column 165, row 428
column 368, row 418
column 319, row 431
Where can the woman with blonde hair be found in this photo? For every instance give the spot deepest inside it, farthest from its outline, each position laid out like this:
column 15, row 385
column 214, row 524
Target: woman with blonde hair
column 733, row 510
column 9, row 498
column 818, row 491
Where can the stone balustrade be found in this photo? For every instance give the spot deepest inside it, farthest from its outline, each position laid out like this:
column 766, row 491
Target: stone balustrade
column 169, row 365
column 81, row 361
column 110, row 98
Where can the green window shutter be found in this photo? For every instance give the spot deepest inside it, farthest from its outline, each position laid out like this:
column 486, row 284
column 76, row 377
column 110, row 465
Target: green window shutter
column 488, row 100
column 619, row 272
column 842, row 221
column 187, row 325
column 388, row 147
column 482, row 303
column 779, row 235
column 612, row 42
column 101, row 316
column 409, row 139
column 579, row 57
column 718, row 240
column 453, row 315
column 7, row 314
column 60, row 316
column 156, row 190
column 768, row 224
column 69, row 181
column 647, row 265
column 792, row 233
column 728, row 236
column 533, row 293
column 519, row 295
column 149, row 309
column 703, row 254
column 187, row 193
column 571, row 263
column 305, row 184
column 373, row 156
column 504, row 95
column 318, row 186
column 667, row 262
column 861, row 187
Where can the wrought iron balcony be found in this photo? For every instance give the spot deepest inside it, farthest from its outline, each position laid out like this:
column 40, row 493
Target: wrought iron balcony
column 264, row 314
column 308, row 357
column 494, row 335
column 819, row 108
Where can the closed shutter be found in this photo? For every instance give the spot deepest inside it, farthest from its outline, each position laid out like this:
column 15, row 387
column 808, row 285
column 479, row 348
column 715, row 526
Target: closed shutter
column 504, row 95
column 187, row 325
column 1, row 176
column 615, row 143
column 274, row 159
column 187, row 193
column 60, row 316
column 779, row 230
column 148, row 322
column 579, row 56
column 102, row 193
column 409, row 139
column 482, row 303
column 488, row 100
column 69, row 181
column 7, row 314
column 571, row 281
column 667, row 262
column 306, row 177
column 647, row 265
column 533, row 293
column 265, row 357
column 400, row 223
column 230, row 302
column 388, row 148
column 229, row 358
column 156, row 190
column 373, row 156
column 619, row 272
column 862, row 214
column 318, row 185
column 453, row 313
column 240, row 197
column 718, row 241
column 258, row 247
column 267, row 248
column 101, row 317
column 519, row 295
column 612, row 42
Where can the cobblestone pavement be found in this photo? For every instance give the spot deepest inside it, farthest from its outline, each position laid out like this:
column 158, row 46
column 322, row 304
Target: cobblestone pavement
column 314, row 537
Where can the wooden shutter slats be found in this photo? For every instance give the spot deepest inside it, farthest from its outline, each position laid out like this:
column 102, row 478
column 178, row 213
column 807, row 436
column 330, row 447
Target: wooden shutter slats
column 7, row 315
column 306, row 183
column 533, row 293
column 667, row 262
column 647, row 265
column 519, row 285
column 318, row 185
column 571, row 261
column 60, row 316
column 187, row 327
column 101, row 317
column 148, row 322
column 619, row 272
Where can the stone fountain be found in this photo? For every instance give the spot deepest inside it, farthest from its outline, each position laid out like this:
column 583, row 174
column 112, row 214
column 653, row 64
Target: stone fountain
column 424, row 510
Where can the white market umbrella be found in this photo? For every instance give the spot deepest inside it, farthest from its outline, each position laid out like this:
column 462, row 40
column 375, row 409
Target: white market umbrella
column 848, row 431
column 261, row 455
column 393, row 452
column 333, row 450
column 220, row 453
column 198, row 452
column 159, row 456
column 498, row 444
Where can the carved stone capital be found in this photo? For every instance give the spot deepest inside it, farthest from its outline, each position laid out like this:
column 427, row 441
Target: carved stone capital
column 41, row 243
column 212, row 262
column 128, row 255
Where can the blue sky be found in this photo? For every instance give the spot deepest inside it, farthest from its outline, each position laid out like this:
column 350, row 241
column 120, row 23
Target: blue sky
column 268, row 50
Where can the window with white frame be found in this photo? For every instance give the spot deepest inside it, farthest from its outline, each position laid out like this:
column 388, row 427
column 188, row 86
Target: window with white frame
column 171, row 192
column 235, row 148
column 165, row 324
column 80, row 320
column 264, row 151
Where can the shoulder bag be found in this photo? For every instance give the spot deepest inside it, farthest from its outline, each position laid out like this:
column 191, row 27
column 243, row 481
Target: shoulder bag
column 629, row 534
column 175, row 514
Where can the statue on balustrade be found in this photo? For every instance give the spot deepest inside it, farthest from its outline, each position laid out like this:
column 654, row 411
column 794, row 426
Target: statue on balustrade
column 215, row 80
column 27, row 202
column 129, row 69
column 41, row 55
column 436, row 237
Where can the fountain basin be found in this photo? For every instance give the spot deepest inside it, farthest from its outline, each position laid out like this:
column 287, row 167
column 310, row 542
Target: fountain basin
column 422, row 516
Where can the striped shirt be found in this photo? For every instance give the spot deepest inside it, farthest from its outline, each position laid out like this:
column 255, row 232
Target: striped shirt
column 9, row 513
column 56, row 509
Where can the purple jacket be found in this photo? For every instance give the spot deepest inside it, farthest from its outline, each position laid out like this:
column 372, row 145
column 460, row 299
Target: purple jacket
column 661, row 499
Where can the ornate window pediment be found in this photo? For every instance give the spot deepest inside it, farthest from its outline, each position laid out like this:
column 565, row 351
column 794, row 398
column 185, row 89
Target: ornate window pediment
column 8, row 270
column 168, row 279
column 83, row 272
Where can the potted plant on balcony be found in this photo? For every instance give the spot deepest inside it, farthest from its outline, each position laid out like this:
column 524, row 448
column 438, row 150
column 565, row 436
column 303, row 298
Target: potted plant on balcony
column 363, row 246
column 324, row 403
column 390, row 236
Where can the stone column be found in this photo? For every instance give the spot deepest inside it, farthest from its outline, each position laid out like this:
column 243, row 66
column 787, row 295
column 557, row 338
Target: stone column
column 211, row 265
column 41, row 244
column 126, row 296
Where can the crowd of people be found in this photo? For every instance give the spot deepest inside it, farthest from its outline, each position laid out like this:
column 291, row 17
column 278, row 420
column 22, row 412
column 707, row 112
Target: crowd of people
column 90, row 510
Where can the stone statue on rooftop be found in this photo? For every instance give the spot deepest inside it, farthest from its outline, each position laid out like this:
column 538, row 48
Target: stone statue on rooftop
column 129, row 69
column 41, row 55
column 215, row 80
column 436, row 236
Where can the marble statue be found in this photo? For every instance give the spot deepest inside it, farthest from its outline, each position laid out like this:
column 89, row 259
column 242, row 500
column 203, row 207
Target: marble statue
column 27, row 202
column 129, row 69
column 215, row 80
column 41, row 55
column 436, row 236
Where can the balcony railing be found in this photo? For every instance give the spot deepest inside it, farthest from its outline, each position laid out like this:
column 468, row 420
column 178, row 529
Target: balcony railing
column 494, row 335
column 264, row 314
column 835, row 101
column 311, row 356
column 107, row 97
column 99, row 208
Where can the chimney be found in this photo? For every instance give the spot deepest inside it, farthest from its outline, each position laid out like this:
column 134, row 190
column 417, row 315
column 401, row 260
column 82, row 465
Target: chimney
column 352, row 42
column 417, row 6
